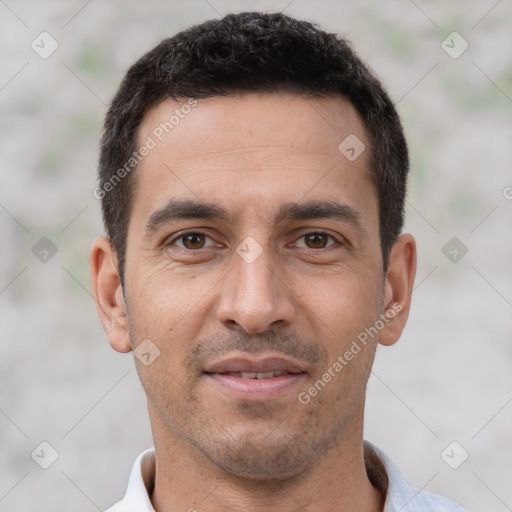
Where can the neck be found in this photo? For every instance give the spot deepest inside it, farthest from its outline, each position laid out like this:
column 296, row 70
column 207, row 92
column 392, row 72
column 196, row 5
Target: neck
column 187, row 480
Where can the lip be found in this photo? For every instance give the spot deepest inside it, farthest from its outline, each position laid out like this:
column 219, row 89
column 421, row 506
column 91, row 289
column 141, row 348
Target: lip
column 220, row 374
column 262, row 364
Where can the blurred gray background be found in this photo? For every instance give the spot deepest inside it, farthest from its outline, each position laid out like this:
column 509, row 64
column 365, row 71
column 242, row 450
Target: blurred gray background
column 447, row 381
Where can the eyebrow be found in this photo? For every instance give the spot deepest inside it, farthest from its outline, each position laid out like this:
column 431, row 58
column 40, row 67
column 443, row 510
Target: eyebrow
column 324, row 209
column 182, row 209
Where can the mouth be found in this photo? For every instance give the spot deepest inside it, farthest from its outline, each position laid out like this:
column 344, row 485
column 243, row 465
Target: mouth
column 255, row 379
column 256, row 375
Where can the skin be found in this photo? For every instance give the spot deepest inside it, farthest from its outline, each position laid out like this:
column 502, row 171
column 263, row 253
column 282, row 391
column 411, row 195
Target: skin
column 303, row 298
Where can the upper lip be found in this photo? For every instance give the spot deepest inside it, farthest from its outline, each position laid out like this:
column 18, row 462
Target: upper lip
column 260, row 364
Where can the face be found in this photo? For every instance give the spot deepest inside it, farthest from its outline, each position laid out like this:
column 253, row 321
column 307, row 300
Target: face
column 253, row 264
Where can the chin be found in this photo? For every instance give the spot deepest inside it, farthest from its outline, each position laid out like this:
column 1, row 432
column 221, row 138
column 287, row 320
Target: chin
column 260, row 456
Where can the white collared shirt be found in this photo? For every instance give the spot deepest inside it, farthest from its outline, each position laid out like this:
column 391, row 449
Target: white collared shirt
column 400, row 496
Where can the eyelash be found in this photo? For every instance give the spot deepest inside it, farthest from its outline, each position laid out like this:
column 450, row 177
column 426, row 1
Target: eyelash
column 320, row 233
column 183, row 234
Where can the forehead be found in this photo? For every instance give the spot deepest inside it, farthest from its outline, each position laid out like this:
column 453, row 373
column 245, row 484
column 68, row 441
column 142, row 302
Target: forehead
column 252, row 148
column 224, row 123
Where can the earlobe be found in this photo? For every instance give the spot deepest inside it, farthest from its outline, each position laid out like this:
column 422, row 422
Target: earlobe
column 398, row 288
column 108, row 294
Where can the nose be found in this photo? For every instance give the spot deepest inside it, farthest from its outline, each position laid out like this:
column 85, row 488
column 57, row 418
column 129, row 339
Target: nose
column 255, row 297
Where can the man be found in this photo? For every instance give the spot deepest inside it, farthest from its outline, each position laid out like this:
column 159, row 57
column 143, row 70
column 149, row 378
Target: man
column 252, row 177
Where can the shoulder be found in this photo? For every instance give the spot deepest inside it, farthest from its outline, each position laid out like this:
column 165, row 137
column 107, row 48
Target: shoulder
column 400, row 496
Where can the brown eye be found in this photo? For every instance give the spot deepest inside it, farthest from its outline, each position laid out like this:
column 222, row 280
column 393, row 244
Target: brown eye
column 193, row 241
column 316, row 240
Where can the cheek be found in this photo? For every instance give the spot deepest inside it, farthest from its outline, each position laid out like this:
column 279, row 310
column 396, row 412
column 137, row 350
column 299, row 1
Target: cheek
column 170, row 310
column 165, row 300
column 347, row 306
column 342, row 305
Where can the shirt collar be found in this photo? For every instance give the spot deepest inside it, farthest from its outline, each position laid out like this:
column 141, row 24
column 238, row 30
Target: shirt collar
column 381, row 471
column 141, row 483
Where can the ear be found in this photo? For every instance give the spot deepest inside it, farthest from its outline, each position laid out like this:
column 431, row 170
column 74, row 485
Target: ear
column 398, row 288
column 108, row 294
